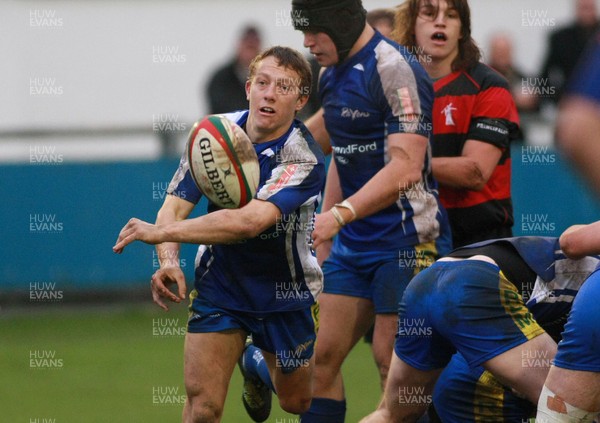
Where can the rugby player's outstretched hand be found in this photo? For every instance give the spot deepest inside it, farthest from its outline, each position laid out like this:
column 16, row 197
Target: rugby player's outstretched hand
column 161, row 280
column 137, row 229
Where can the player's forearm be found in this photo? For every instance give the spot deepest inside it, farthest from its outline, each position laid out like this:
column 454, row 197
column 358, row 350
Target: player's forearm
column 220, row 227
column 333, row 190
column 385, row 187
column 173, row 210
column 581, row 240
column 458, row 173
column 168, row 254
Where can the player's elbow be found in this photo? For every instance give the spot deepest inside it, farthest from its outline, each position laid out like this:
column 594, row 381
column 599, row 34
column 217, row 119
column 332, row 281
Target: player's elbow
column 474, row 179
column 570, row 247
column 477, row 185
column 295, row 405
column 414, row 176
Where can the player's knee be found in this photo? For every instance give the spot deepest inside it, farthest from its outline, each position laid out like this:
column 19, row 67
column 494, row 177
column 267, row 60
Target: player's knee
column 205, row 412
column 553, row 409
column 328, row 357
column 384, row 371
column 296, row 404
column 383, row 366
column 382, row 361
column 326, row 370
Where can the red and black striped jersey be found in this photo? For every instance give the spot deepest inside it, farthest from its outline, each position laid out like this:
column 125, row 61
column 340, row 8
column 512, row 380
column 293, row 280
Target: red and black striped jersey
column 476, row 104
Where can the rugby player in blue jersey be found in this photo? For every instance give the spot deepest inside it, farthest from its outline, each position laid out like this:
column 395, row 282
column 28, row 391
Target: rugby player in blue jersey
column 381, row 203
column 571, row 391
column 255, row 270
column 470, row 302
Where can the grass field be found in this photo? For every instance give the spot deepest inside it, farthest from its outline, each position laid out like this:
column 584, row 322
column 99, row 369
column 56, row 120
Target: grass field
column 121, row 364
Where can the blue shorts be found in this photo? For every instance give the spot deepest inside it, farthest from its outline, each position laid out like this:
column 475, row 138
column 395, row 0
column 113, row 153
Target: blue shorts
column 380, row 276
column 290, row 336
column 465, row 305
column 463, row 394
column 579, row 348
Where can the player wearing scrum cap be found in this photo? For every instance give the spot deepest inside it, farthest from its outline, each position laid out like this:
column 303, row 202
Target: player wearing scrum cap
column 381, row 201
column 255, row 269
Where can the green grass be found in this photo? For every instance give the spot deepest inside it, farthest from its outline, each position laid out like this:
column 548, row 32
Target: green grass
column 106, row 362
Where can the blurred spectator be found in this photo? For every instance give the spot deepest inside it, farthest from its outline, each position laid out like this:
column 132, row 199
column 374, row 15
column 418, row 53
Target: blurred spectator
column 382, row 20
column 226, row 90
column 501, row 59
column 578, row 123
column 565, row 46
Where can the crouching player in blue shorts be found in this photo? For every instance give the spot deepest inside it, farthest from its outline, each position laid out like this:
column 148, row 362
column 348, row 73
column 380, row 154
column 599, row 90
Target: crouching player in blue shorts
column 470, row 302
column 572, row 389
column 255, row 270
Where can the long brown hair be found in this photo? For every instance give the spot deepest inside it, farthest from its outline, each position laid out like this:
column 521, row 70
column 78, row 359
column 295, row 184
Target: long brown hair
column 406, row 19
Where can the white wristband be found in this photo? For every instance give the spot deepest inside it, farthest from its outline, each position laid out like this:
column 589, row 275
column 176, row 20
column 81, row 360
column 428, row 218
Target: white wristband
column 346, row 204
column 338, row 217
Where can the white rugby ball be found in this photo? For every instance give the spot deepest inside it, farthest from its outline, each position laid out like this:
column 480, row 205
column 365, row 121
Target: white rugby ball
column 223, row 162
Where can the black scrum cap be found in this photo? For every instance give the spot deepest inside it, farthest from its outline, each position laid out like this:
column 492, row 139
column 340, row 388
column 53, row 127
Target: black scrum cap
column 342, row 20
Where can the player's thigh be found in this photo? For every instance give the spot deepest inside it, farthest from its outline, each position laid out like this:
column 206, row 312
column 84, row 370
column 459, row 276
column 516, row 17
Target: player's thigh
column 287, row 340
column 343, row 321
column 291, row 384
column 525, row 367
column 209, row 360
column 390, row 280
column 346, row 303
column 408, row 391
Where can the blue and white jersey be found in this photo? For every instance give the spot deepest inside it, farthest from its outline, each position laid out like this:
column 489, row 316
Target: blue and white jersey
column 558, row 278
column 277, row 270
column 381, row 90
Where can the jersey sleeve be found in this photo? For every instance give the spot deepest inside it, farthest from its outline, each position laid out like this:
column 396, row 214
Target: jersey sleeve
column 495, row 118
column 407, row 93
column 182, row 185
column 299, row 176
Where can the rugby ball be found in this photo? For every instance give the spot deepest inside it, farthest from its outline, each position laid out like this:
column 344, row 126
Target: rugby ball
column 223, row 162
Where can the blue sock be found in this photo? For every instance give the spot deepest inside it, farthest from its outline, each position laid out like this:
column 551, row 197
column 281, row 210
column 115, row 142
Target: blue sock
column 325, row 410
column 256, row 366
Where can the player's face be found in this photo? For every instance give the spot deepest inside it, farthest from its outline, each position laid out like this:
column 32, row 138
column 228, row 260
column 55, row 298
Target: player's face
column 322, row 47
column 437, row 31
column 274, row 95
